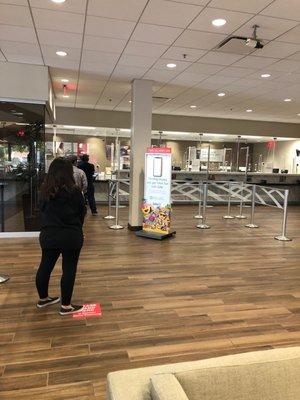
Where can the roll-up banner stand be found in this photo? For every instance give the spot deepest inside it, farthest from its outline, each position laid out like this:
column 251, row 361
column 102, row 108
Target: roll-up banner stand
column 156, row 207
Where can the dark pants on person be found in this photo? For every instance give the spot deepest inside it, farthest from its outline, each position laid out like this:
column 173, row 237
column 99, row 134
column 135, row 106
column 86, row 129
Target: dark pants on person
column 90, row 195
column 69, row 267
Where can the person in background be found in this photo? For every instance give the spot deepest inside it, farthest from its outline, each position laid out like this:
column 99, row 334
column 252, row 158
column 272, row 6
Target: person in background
column 62, row 216
column 79, row 175
column 60, row 152
column 89, row 171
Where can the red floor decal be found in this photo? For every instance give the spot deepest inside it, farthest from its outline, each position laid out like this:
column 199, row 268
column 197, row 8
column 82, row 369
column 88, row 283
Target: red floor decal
column 89, row 310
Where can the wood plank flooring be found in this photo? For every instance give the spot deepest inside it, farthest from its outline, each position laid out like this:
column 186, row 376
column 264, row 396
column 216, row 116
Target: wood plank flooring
column 202, row 294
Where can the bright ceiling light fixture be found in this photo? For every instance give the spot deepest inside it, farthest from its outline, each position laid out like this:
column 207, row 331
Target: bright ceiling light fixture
column 171, row 65
column 58, row 1
column 265, row 75
column 66, row 96
column 65, row 80
column 287, row 100
column 193, row 106
column 298, row 115
column 219, row 22
column 222, row 94
column 249, row 110
column 61, row 53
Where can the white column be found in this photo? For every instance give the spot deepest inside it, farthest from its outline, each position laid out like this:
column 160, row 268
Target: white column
column 141, row 124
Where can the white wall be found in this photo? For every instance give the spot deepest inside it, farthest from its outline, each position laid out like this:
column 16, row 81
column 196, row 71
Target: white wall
column 24, row 82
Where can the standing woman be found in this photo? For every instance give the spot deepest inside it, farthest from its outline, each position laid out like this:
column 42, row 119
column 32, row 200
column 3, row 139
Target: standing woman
column 62, row 216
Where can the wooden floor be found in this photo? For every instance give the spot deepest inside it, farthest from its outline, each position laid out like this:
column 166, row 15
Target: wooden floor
column 202, row 294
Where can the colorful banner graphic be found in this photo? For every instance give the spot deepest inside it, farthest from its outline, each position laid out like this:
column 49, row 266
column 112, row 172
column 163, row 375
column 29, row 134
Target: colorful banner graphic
column 156, row 206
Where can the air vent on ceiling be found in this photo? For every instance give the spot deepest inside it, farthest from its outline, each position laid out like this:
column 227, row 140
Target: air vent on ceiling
column 241, row 44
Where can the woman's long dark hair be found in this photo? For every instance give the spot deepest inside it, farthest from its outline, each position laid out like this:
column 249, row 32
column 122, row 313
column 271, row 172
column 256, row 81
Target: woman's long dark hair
column 60, row 176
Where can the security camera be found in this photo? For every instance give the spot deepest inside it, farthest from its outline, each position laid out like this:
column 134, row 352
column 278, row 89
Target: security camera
column 254, row 43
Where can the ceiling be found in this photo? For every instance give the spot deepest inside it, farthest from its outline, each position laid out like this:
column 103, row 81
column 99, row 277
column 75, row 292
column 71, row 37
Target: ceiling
column 111, row 42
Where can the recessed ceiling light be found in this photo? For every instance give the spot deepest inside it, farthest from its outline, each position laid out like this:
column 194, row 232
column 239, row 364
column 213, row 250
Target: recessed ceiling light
column 61, row 53
column 265, row 75
column 171, row 65
column 66, row 96
column 219, row 22
column 130, row 101
column 65, row 80
column 298, row 115
column 58, row 1
column 249, row 110
column 193, row 106
column 221, row 94
column 287, row 100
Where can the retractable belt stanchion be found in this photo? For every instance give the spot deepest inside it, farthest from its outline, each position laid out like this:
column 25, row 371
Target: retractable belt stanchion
column 283, row 237
column 204, row 225
column 241, row 215
column 3, row 278
column 199, row 215
column 252, row 224
column 229, row 216
column 117, row 226
column 109, row 194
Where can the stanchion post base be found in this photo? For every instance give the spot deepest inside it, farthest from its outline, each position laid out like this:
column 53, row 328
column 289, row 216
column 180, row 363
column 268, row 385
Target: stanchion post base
column 198, row 217
column 116, row 227
column 228, row 217
column 240, row 216
column 109, row 217
column 203, row 226
column 251, row 226
column 4, row 278
column 282, row 238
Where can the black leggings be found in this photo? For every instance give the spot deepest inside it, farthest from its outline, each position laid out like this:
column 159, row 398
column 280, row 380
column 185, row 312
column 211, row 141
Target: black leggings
column 69, row 267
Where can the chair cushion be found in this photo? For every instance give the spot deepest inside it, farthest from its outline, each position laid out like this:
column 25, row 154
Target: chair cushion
column 273, row 380
column 166, row 387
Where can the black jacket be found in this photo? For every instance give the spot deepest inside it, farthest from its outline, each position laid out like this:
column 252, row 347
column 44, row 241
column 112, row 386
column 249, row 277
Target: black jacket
column 89, row 171
column 61, row 220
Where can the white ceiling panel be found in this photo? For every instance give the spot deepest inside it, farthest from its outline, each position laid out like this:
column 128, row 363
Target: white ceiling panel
column 183, row 54
column 21, row 58
column 199, row 40
column 214, row 57
column 128, row 72
column 100, row 57
column 269, row 28
column 14, row 2
column 293, row 36
column 163, row 12
column 2, row 58
column 145, row 49
column 234, row 20
column 99, row 69
column 295, row 56
column 109, row 45
column 286, row 66
column 197, row 2
column 56, row 38
column 288, row 8
column 180, row 65
column 17, row 33
column 62, row 63
column 74, row 6
column 156, row 34
column 236, row 72
column 136, row 61
column 252, row 6
column 169, row 91
column 129, row 10
column 107, row 27
column 278, row 50
column 28, row 49
column 160, row 75
column 208, row 69
column 61, row 21
column 15, row 15
column 49, row 51
column 59, row 73
column 189, row 78
column 255, row 62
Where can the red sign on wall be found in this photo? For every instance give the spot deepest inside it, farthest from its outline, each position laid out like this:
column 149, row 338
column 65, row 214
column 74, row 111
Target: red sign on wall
column 82, row 148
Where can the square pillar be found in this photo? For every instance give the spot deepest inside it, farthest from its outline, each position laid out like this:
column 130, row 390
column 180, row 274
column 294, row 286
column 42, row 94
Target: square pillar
column 141, row 127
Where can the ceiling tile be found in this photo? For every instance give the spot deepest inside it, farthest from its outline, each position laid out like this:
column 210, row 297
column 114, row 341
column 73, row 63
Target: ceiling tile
column 28, row 49
column 107, row 27
column 129, row 10
column 145, row 49
column 169, row 91
column 15, row 15
column 74, row 6
column 15, row 2
column 199, row 40
column 55, row 38
column 197, row 2
column 189, row 78
column 17, row 33
column 295, row 56
column 252, row 6
column 180, row 65
column 183, row 54
column 109, row 45
column 129, row 72
column 208, row 69
column 136, row 61
column 61, row 63
column 234, row 20
column 278, row 50
column 49, row 51
column 214, row 57
column 100, row 57
column 25, row 59
column 285, row 66
column 100, row 69
column 289, row 9
column 236, row 72
column 160, row 75
column 269, row 28
column 156, row 34
column 60, row 21
column 2, row 58
column 293, row 36
column 162, row 12
column 255, row 62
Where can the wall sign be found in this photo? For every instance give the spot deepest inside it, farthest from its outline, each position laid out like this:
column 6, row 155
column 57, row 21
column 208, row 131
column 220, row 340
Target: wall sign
column 156, row 206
